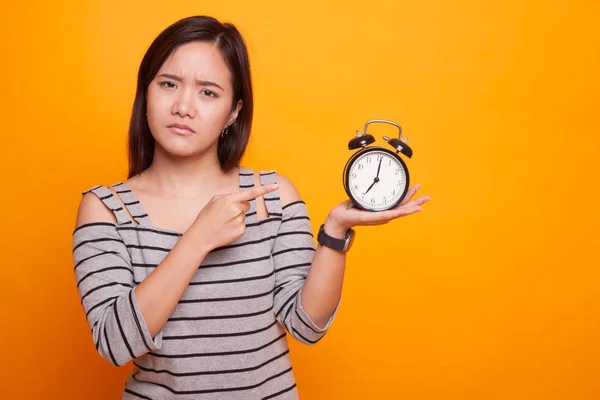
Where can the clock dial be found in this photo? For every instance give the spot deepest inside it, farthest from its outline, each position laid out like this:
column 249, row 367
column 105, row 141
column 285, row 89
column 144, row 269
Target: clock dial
column 377, row 180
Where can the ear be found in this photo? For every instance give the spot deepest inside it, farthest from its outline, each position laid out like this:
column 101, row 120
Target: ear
column 234, row 113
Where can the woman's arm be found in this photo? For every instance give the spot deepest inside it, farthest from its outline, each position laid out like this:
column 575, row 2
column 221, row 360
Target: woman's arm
column 126, row 319
column 322, row 288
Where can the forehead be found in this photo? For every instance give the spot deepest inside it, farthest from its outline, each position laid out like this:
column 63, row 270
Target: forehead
column 198, row 61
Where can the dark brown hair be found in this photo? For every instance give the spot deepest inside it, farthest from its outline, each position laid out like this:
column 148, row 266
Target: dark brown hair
column 229, row 41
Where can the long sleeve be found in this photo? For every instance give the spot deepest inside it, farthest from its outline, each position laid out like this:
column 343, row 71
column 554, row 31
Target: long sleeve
column 293, row 252
column 104, row 277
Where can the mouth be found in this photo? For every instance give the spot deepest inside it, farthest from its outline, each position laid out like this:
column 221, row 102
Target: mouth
column 181, row 129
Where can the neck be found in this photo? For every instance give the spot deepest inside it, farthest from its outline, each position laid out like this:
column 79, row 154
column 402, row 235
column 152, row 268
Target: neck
column 187, row 177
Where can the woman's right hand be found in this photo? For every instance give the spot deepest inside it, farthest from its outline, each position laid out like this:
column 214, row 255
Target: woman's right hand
column 222, row 220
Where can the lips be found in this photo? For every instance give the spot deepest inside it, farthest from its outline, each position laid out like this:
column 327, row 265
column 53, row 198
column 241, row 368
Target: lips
column 181, row 129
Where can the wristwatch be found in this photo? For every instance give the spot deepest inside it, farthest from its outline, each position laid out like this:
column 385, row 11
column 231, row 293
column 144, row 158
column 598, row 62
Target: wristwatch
column 342, row 245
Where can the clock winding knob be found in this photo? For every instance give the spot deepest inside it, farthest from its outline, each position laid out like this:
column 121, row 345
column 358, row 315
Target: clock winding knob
column 399, row 145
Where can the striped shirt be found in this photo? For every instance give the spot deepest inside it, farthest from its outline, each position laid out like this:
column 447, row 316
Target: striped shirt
column 226, row 338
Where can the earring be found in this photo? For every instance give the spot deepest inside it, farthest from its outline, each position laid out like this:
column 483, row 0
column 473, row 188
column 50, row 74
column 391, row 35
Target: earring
column 224, row 132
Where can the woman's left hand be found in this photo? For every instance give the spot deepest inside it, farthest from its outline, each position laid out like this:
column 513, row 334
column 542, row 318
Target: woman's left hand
column 343, row 216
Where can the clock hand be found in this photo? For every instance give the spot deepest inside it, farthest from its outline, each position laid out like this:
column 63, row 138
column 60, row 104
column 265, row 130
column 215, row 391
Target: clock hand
column 374, row 182
column 376, row 178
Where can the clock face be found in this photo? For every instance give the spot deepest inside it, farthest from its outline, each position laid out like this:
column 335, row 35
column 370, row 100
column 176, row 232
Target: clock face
column 377, row 180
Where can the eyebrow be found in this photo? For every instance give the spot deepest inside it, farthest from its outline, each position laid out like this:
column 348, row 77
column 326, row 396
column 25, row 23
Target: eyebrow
column 198, row 82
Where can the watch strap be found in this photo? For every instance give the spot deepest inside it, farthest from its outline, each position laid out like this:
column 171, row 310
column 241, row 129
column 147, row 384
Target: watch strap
column 338, row 244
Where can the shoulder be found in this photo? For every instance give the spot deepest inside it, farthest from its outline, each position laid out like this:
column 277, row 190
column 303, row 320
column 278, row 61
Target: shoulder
column 287, row 190
column 91, row 209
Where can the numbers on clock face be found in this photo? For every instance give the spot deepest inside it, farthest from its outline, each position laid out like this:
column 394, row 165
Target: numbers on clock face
column 381, row 193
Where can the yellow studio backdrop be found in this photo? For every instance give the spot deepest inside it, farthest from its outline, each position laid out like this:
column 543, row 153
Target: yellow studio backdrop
column 491, row 293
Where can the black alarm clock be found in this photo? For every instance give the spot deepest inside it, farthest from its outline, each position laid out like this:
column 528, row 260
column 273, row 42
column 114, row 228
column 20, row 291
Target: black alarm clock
column 376, row 178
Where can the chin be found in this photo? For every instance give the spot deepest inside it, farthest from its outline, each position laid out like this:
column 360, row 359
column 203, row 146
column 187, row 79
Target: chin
column 183, row 147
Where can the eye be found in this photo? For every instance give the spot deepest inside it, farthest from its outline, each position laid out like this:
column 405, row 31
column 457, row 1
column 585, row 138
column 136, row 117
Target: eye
column 168, row 84
column 209, row 93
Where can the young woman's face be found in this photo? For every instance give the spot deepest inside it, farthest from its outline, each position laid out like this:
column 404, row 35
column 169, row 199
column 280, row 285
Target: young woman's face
column 190, row 100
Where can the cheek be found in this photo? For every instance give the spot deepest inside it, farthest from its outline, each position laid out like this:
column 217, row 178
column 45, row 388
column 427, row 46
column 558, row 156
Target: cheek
column 159, row 112
column 216, row 110
column 156, row 104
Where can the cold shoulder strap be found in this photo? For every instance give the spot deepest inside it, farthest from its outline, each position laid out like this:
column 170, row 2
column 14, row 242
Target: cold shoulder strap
column 132, row 203
column 112, row 203
column 272, row 200
column 246, row 183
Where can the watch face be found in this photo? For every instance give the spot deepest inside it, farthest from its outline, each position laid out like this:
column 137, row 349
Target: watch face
column 377, row 179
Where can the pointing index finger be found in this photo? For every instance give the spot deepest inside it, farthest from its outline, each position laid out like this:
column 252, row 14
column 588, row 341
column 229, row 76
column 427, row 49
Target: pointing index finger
column 246, row 195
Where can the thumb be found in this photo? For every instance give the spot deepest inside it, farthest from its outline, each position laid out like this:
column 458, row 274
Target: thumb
column 348, row 204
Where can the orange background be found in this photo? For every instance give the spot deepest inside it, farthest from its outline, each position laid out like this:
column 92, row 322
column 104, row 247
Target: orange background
column 491, row 293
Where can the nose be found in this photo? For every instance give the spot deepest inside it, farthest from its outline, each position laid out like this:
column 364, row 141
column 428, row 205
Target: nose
column 183, row 104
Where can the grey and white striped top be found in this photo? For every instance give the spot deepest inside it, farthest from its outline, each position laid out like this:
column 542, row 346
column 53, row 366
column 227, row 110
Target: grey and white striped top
column 226, row 338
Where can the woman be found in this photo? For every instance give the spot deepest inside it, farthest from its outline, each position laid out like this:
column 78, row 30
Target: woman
column 195, row 267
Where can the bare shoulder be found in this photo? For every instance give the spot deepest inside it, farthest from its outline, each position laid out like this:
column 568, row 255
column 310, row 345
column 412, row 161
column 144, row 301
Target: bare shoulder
column 287, row 191
column 91, row 209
